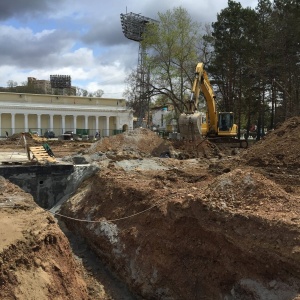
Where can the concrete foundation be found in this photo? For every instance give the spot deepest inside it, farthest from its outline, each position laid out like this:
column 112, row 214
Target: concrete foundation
column 48, row 184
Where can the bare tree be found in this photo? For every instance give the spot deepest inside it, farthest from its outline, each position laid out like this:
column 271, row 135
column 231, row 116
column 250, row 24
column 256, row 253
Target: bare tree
column 172, row 54
column 11, row 84
column 99, row 93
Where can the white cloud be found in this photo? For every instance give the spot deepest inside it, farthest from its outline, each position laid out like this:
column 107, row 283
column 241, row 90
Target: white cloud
column 44, row 33
column 82, row 39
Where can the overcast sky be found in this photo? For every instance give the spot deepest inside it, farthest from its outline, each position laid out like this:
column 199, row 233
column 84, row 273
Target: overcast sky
column 83, row 39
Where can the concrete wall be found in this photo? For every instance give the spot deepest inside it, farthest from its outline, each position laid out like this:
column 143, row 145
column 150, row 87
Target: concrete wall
column 48, row 184
column 45, row 183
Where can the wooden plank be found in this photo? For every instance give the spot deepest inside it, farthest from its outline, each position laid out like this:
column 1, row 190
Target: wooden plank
column 41, row 154
column 37, row 148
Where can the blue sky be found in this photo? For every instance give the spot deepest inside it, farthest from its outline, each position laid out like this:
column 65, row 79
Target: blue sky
column 83, row 39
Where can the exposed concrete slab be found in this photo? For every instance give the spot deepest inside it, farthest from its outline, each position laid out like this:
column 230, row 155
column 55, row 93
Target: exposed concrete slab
column 141, row 164
column 48, row 183
column 10, row 157
column 13, row 156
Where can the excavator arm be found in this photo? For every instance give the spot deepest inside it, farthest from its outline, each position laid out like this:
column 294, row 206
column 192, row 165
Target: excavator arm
column 218, row 124
column 209, row 96
column 194, row 98
column 190, row 123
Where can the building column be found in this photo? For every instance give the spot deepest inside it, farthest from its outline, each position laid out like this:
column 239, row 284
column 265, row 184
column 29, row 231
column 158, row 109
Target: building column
column 13, row 122
column 26, row 122
column 117, row 122
column 39, row 123
column 97, row 124
column 0, row 125
column 63, row 123
column 74, row 123
column 86, row 119
column 107, row 126
column 51, row 123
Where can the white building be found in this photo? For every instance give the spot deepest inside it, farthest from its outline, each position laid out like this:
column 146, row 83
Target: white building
column 162, row 119
column 159, row 117
column 59, row 113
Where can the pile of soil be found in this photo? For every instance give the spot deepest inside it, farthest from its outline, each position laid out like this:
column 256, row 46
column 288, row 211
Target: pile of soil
column 139, row 142
column 142, row 142
column 279, row 147
column 36, row 260
column 277, row 155
column 247, row 191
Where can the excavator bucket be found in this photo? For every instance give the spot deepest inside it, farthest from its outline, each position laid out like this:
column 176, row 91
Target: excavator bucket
column 190, row 126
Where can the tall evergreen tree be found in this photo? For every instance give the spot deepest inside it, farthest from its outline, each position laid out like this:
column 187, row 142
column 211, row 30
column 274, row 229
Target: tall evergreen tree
column 285, row 19
column 232, row 64
column 263, row 64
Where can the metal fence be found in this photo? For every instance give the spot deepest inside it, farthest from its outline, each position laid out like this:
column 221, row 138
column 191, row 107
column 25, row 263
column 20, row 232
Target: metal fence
column 58, row 131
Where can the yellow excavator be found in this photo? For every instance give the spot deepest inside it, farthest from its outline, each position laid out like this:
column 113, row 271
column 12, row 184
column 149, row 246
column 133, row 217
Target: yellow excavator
column 219, row 127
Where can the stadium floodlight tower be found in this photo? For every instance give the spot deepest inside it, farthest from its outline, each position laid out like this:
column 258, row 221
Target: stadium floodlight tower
column 133, row 27
column 60, row 82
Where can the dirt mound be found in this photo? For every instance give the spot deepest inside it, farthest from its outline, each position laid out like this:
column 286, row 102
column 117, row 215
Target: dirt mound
column 139, row 142
column 247, row 191
column 36, row 261
column 200, row 148
column 278, row 148
column 142, row 142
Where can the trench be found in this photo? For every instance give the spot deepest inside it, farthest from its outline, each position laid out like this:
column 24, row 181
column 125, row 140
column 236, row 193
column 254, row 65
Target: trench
column 50, row 186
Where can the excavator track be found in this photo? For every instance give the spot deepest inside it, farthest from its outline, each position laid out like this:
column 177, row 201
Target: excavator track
column 234, row 142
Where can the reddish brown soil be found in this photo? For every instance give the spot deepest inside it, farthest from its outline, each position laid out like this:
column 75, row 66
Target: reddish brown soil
column 220, row 224
column 36, row 261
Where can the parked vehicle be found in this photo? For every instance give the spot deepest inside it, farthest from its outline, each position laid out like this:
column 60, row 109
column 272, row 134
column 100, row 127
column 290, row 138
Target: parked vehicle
column 68, row 135
column 49, row 134
column 69, row 132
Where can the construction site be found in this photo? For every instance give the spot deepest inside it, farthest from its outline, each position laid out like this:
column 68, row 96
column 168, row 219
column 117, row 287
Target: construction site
column 135, row 216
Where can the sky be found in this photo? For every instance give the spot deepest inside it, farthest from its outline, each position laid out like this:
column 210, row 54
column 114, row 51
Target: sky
column 83, row 39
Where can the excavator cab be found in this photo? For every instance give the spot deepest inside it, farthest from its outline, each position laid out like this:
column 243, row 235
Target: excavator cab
column 226, row 126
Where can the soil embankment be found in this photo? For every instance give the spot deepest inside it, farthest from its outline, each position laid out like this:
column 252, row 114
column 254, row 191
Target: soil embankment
column 36, row 260
column 201, row 228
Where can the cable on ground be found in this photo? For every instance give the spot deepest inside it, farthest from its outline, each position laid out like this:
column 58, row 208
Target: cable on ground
column 112, row 220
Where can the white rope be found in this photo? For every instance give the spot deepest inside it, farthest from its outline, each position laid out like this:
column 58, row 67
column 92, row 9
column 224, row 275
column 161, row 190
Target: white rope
column 111, row 220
